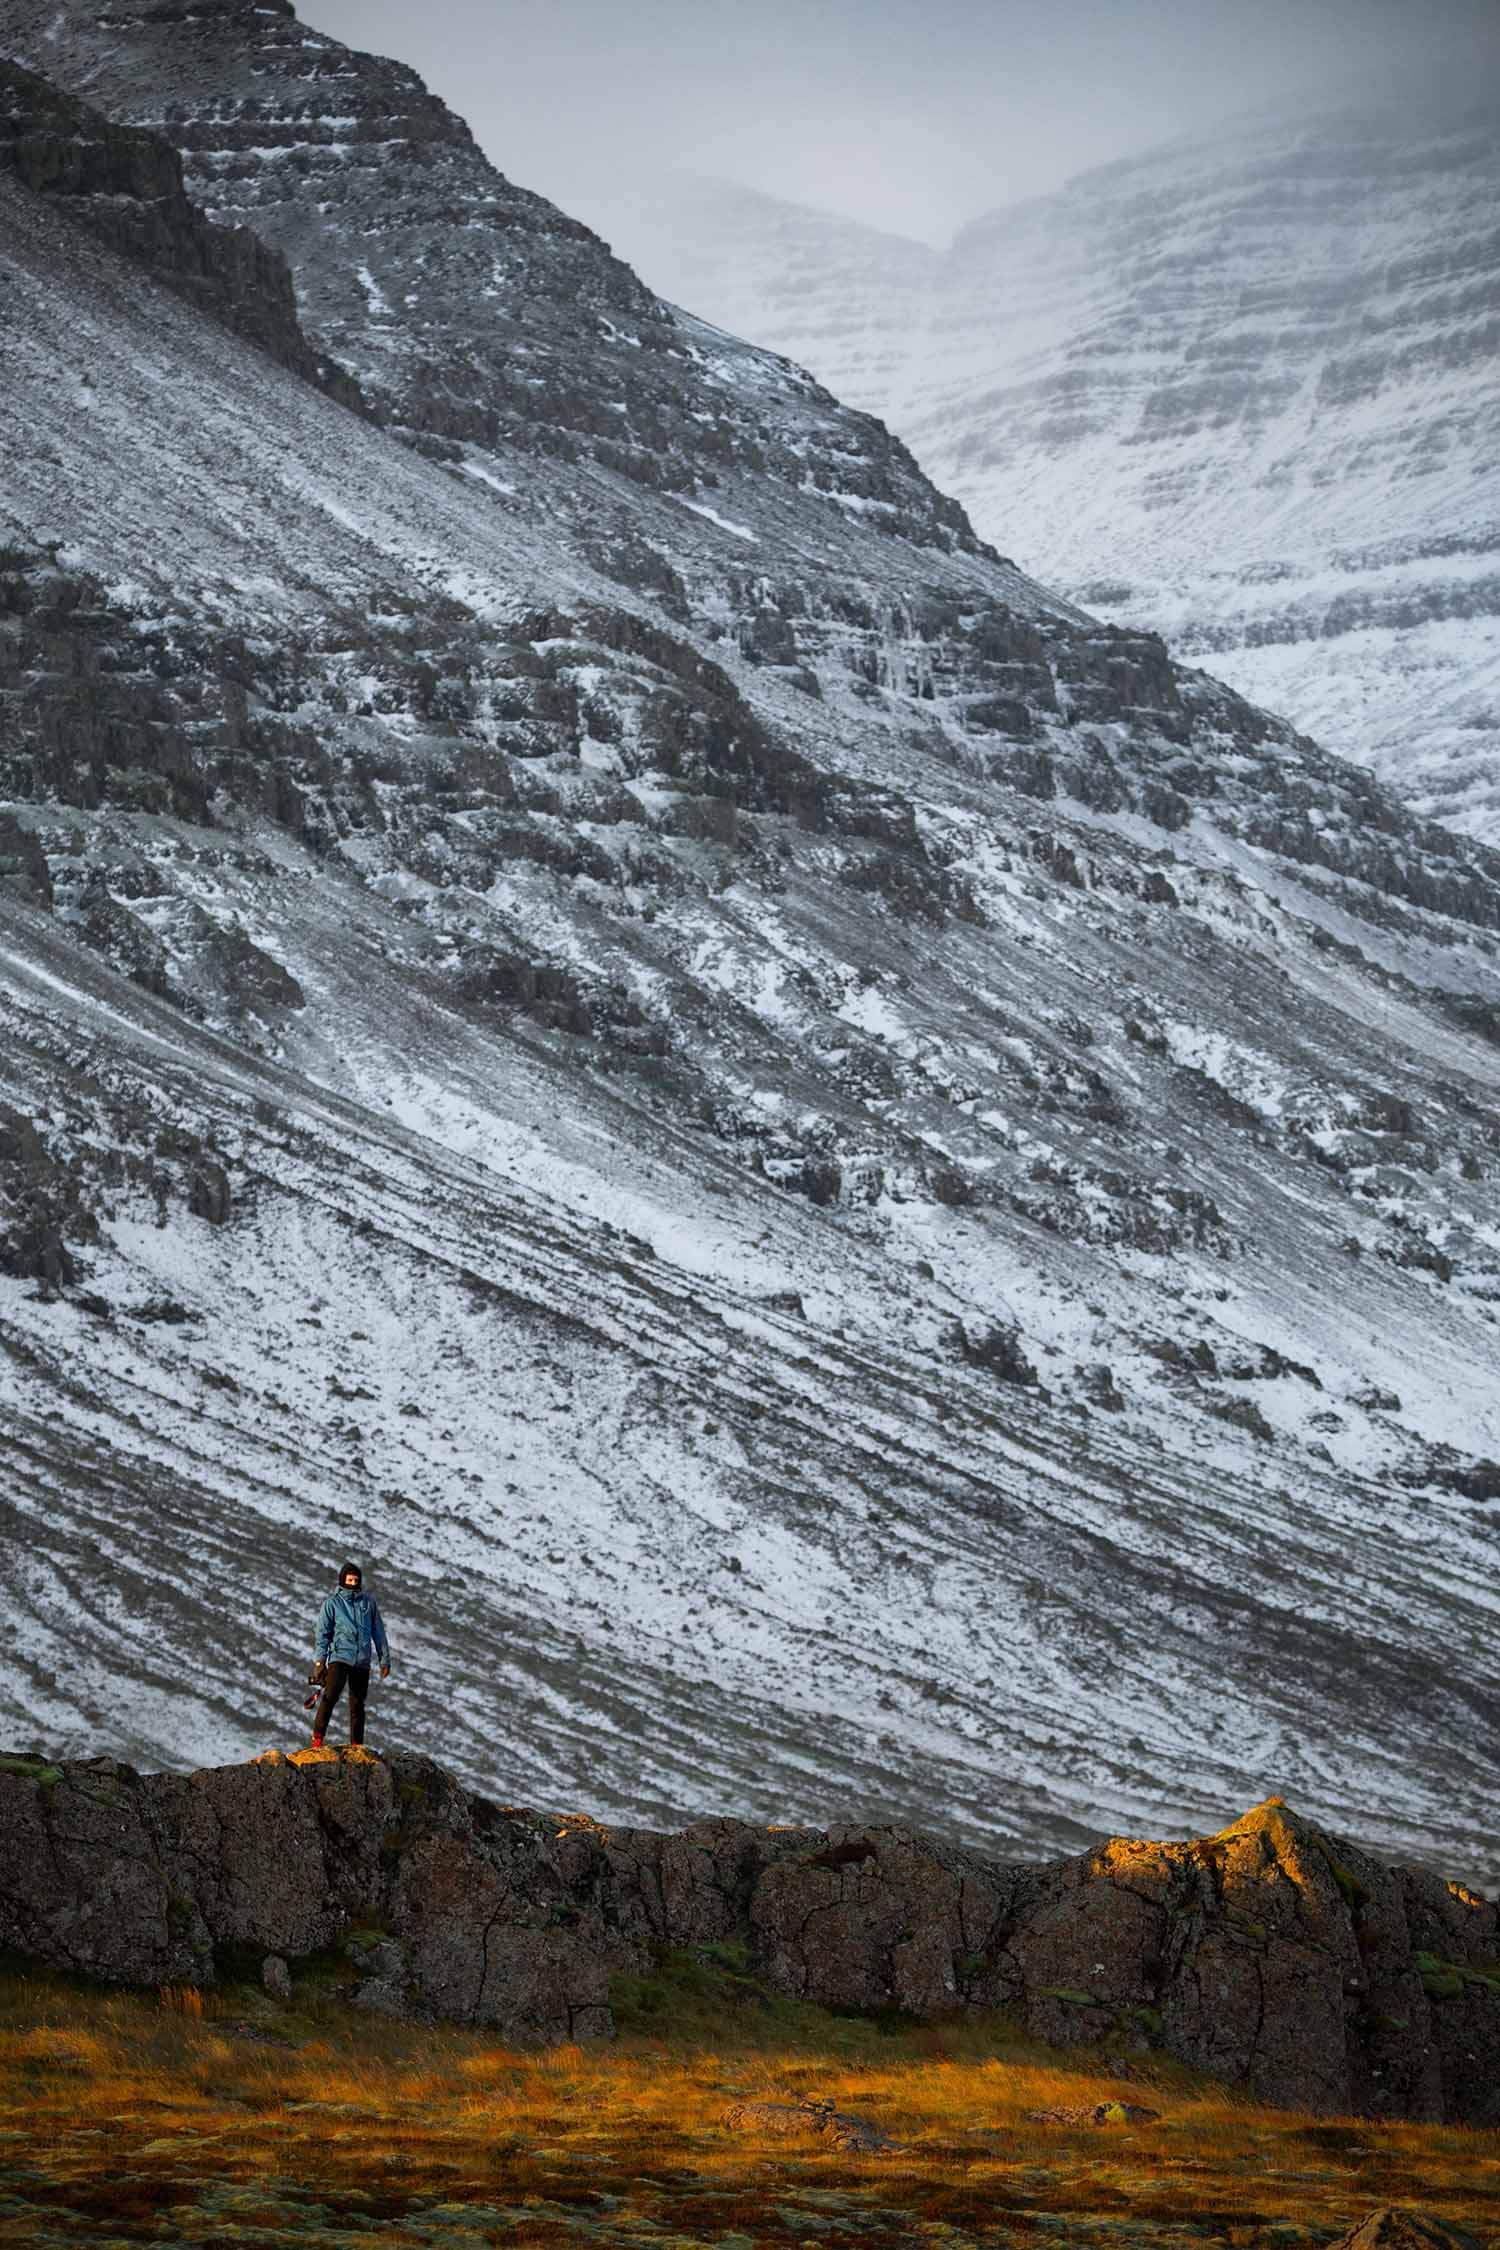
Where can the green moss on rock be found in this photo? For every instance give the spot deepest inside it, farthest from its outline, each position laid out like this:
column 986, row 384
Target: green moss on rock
column 36, row 1768
column 1448, row 1980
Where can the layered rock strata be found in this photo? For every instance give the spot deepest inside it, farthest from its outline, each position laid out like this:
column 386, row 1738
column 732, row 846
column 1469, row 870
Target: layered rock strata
column 126, row 186
column 1242, row 390
column 852, row 1184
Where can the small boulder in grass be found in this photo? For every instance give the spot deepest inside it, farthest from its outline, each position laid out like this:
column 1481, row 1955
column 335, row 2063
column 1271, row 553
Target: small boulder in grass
column 1098, row 2113
column 855, row 2135
column 1390, row 2229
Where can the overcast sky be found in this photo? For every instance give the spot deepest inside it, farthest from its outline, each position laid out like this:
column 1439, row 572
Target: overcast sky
column 914, row 115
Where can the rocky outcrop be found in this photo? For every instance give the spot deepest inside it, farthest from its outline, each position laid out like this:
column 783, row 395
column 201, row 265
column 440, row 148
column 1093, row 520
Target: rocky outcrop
column 126, row 185
column 918, row 993
column 44, row 1212
column 815, row 2118
column 24, row 872
column 1393, row 2229
column 1281, row 1960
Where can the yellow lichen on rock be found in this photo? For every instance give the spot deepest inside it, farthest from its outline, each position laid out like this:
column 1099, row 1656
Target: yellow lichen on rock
column 581, row 1824
column 331, row 1754
column 1466, row 1897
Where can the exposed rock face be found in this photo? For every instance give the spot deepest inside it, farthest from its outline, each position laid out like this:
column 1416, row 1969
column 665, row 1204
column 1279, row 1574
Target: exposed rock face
column 23, row 863
column 126, row 186
column 693, row 971
column 44, row 1213
column 1242, row 390
column 1286, row 1962
column 474, row 313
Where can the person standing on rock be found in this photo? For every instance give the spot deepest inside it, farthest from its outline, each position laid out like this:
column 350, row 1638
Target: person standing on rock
column 350, row 1630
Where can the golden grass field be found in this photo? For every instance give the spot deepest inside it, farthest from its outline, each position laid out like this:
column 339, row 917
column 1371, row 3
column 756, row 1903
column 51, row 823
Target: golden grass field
column 128, row 2118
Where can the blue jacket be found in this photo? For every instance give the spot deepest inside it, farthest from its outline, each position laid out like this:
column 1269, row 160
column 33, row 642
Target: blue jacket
column 350, row 1626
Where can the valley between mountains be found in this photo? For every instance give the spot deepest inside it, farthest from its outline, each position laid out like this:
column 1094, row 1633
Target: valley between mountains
column 859, row 1192
column 1241, row 389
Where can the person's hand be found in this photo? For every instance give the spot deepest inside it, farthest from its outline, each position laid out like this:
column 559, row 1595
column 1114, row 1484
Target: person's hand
column 319, row 1670
column 385, row 1671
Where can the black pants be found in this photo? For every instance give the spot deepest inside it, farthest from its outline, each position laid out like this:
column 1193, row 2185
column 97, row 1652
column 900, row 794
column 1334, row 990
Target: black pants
column 358, row 1678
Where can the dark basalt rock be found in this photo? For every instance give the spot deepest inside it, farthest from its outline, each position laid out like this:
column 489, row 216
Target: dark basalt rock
column 498, row 796
column 23, row 863
column 998, row 1350
column 1101, row 1389
column 1476, row 1480
column 45, row 1214
column 569, row 357
column 1391, row 2229
column 1281, row 1960
column 209, row 1195
column 126, row 186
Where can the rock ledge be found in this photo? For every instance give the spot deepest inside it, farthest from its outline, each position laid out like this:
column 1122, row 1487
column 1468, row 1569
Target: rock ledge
column 1282, row 1960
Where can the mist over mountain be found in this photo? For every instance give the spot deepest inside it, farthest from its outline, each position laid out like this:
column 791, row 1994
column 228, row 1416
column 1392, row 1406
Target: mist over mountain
column 854, row 1186
column 1243, row 391
column 907, row 120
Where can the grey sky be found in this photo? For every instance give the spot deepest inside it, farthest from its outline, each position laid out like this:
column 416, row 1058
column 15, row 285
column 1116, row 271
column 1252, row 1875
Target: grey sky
column 913, row 115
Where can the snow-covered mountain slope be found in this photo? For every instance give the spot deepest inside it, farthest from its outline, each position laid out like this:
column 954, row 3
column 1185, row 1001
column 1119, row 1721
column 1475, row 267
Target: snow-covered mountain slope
column 860, row 1193
column 1245, row 392
column 473, row 312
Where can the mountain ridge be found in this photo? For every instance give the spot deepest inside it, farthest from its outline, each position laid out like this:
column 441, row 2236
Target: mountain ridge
column 779, row 1123
column 474, row 354
column 1254, row 371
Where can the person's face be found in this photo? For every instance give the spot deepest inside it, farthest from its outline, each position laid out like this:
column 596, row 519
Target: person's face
column 351, row 1582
